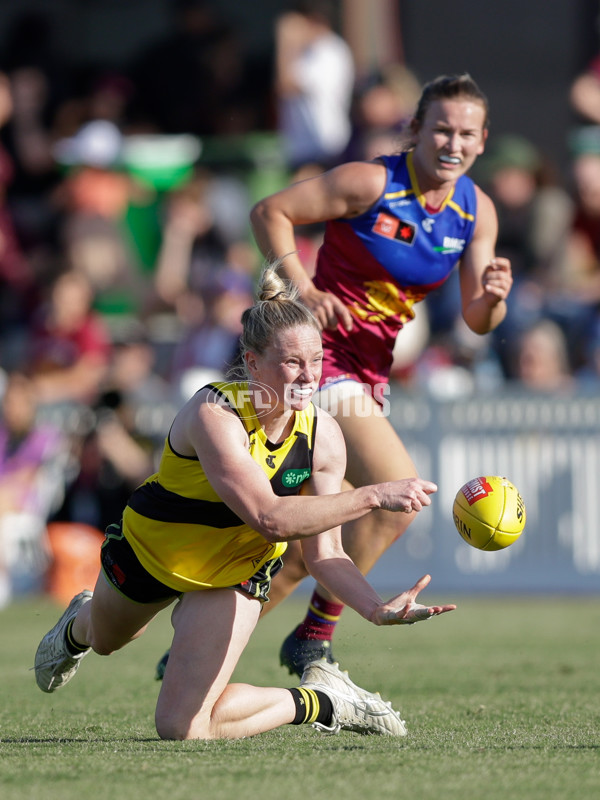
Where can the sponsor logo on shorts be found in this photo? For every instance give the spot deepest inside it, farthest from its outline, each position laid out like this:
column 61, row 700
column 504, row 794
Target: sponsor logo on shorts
column 119, row 574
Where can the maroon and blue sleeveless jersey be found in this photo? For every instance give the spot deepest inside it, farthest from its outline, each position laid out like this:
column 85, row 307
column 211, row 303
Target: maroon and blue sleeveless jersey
column 383, row 262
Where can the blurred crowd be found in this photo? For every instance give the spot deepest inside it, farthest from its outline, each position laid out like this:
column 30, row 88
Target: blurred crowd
column 126, row 258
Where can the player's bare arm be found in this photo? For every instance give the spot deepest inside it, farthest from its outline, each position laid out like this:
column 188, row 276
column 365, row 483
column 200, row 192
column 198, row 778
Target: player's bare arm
column 485, row 279
column 343, row 192
column 324, row 555
column 220, row 442
column 328, row 563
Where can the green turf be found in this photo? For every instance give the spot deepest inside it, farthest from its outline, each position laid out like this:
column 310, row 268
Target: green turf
column 502, row 700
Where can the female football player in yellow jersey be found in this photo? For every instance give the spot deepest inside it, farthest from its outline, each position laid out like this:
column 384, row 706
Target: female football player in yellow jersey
column 247, row 467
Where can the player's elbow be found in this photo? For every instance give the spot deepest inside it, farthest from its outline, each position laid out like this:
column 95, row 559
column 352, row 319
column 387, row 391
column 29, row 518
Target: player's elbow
column 486, row 322
column 264, row 214
column 274, row 528
column 478, row 327
column 258, row 213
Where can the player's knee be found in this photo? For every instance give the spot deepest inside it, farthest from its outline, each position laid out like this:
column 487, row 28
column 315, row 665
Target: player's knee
column 384, row 529
column 400, row 529
column 295, row 569
column 178, row 727
column 400, row 526
column 169, row 729
column 102, row 649
column 103, row 646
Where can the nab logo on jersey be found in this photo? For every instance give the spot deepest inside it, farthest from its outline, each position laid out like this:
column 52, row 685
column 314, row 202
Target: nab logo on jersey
column 395, row 228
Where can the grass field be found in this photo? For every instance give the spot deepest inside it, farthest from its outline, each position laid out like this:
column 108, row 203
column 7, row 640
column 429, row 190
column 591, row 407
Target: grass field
column 502, row 700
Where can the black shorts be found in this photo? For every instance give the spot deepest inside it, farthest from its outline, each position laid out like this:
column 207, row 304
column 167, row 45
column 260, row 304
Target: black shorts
column 123, row 569
column 259, row 584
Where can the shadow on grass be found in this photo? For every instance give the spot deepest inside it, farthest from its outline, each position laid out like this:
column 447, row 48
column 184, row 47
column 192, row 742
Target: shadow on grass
column 336, row 744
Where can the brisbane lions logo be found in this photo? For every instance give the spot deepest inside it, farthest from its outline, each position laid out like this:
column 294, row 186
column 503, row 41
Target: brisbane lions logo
column 384, row 300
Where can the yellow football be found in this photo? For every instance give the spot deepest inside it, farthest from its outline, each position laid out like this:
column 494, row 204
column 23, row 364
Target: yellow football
column 489, row 513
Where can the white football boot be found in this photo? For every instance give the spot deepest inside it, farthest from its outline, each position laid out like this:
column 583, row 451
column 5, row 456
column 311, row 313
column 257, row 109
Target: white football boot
column 354, row 709
column 54, row 665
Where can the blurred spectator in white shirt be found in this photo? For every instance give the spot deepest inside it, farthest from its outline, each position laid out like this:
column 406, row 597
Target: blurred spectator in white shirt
column 314, row 84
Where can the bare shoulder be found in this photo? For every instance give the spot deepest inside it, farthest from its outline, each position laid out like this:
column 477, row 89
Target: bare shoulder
column 487, row 218
column 211, row 411
column 485, row 204
column 205, row 417
column 361, row 182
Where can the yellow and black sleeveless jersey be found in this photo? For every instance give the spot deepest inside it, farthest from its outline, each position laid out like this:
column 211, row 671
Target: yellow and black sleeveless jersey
column 183, row 533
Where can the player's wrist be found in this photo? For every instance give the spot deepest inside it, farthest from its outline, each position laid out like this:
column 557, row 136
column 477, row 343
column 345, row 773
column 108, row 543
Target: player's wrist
column 373, row 497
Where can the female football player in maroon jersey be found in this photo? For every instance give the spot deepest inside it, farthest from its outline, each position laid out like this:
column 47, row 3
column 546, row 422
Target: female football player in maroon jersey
column 395, row 229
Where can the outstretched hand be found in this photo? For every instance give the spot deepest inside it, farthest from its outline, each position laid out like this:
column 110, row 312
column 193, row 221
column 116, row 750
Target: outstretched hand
column 403, row 610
